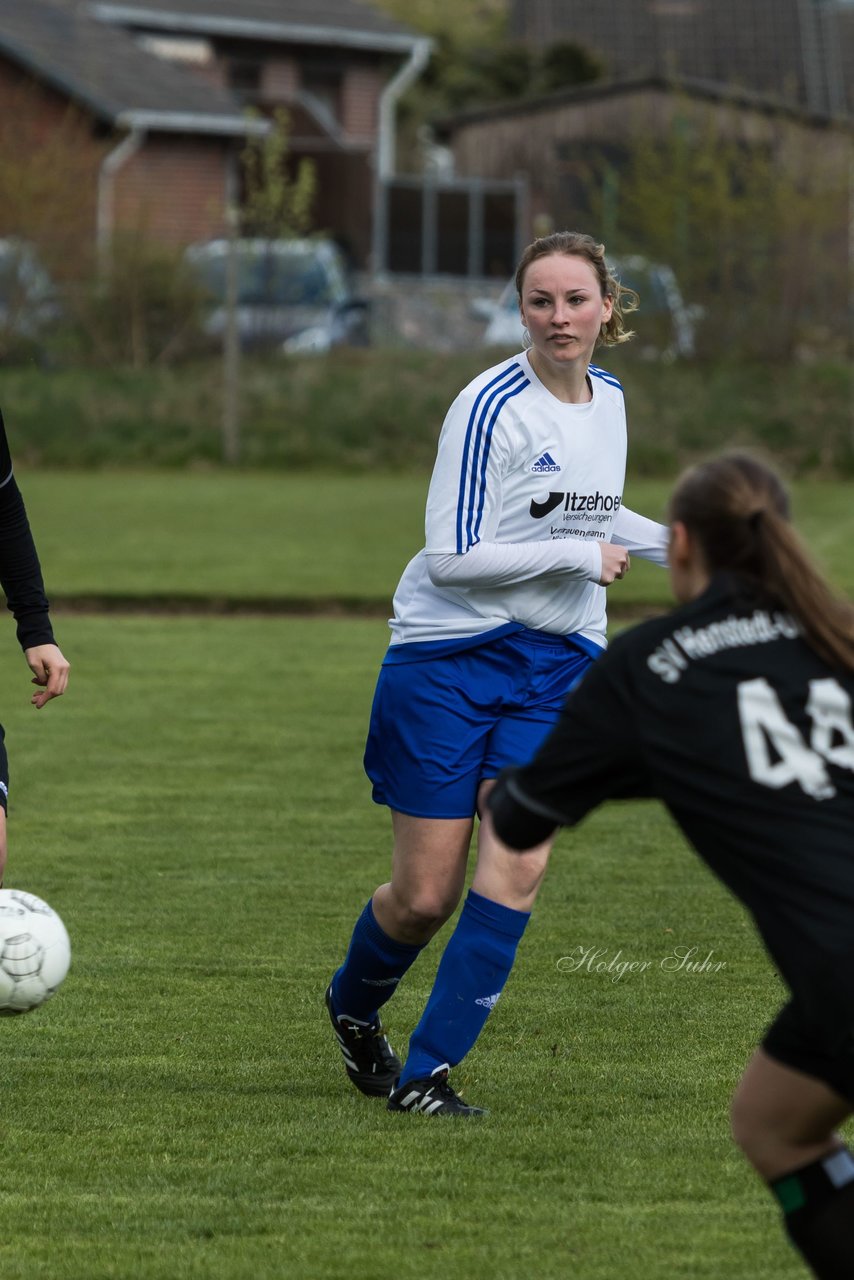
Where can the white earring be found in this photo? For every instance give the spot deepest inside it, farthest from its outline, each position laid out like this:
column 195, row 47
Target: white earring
column 526, row 340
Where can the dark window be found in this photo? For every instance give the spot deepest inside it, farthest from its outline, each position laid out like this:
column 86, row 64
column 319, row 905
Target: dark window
column 452, row 248
column 499, row 235
column 244, row 78
column 323, row 84
column 404, row 218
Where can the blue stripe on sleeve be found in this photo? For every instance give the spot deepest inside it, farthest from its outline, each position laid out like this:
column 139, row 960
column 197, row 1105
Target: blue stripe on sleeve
column 514, row 391
column 472, row 448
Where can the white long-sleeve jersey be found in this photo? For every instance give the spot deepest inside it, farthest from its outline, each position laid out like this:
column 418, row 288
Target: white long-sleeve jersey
column 524, row 491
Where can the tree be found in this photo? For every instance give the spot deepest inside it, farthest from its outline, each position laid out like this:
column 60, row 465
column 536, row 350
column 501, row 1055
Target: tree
column 754, row 229
column 275, row 206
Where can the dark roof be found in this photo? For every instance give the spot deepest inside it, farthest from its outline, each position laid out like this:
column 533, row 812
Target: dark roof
column 692, row 86
column 104, row 70
column 800, row 50
column 335, row 22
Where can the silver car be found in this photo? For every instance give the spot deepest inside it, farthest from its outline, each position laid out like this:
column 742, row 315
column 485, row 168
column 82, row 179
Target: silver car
column 292, row 294
column 28, row 296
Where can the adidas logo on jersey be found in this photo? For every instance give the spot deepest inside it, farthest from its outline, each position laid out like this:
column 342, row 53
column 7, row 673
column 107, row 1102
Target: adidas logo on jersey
column 545, row 465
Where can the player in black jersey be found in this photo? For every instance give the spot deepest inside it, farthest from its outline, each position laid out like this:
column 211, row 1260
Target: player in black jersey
column 21, row 580
column 736, row 712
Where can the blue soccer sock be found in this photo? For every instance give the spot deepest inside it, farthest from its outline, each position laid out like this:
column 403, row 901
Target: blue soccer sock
column 471, row 976
column 373, row 967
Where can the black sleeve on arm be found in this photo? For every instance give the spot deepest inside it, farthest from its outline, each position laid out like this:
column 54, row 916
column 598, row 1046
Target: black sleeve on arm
column 593, row 754
column 515, row 822
column 20, row 571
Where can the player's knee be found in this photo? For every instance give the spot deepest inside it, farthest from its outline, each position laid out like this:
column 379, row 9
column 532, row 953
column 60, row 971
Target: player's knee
column 761, row 1138
column 527, row 876
column 424, row 911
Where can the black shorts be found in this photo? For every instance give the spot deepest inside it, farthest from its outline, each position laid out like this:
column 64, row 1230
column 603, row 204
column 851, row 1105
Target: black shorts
column 798, row 1040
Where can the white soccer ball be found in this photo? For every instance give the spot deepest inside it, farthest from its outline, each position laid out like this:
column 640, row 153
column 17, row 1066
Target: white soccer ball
column 35, row 951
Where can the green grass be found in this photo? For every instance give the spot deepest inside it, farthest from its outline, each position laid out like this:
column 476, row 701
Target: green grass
column 195, row 809
column 313, row 536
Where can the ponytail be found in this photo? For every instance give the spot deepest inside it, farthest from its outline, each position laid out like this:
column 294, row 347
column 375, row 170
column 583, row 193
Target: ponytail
column 738, row 510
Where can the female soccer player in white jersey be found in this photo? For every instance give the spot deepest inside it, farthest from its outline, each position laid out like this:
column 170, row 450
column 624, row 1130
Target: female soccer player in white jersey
column 494, row 621
column 736, row 712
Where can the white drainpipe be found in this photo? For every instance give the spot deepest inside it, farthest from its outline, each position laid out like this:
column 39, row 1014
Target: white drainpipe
column 110, row 165
column 385, row 154
column 394, row 90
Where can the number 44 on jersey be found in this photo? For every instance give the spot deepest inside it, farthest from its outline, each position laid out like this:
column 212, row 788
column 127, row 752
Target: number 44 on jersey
column 765, row 725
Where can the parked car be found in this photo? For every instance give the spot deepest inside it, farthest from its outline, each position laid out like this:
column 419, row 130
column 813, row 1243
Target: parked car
column 28, row 296
column 292, row 294
column 666, row 325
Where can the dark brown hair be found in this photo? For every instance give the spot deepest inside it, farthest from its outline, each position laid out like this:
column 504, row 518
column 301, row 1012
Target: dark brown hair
column 737, row 508
column 576, row 244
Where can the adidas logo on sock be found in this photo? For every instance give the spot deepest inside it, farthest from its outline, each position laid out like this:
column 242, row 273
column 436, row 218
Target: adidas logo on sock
column 545, row 465
column 489, row 1002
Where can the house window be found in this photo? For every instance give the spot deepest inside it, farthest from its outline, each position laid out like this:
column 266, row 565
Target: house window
column 244, row 78
column 323, row 83
column 191, row 52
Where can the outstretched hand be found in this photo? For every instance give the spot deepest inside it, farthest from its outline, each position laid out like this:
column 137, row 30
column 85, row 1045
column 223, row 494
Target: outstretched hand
column 50, row 671
column 616, row 563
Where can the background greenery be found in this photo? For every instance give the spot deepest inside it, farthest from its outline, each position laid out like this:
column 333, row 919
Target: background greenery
column 380, row 409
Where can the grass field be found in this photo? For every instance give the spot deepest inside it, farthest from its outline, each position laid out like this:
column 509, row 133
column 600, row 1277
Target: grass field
column 195, row 809
column 309, row 537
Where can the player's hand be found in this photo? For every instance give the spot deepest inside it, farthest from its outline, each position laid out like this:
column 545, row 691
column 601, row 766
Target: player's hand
column 615, row 563
column 50, row 671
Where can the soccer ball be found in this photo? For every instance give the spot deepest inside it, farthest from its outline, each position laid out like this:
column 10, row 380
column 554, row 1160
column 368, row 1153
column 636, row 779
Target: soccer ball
column 34, row 951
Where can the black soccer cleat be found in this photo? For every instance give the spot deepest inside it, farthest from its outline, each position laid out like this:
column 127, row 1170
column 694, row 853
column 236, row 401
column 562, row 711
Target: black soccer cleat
column 369, row 1059
column 432, row 1097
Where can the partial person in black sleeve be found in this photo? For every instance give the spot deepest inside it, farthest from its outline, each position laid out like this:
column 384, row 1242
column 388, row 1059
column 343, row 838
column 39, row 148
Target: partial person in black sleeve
column 736, row 712
column 21, row 580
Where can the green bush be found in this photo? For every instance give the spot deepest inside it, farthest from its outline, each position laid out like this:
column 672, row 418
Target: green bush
column 144, row 307
column 756, row 232
column 382, row 410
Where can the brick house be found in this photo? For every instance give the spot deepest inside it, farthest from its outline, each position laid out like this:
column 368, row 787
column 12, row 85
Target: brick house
column 158, row 91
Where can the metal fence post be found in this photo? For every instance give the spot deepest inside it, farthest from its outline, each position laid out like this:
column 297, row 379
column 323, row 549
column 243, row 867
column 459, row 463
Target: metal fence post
column 231, row 350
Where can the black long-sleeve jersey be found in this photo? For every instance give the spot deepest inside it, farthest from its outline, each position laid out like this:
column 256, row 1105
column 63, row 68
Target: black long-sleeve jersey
column 723, row 712
column 20, row 571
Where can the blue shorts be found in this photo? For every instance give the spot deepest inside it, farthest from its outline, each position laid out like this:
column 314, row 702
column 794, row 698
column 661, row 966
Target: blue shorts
column 439, row 727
